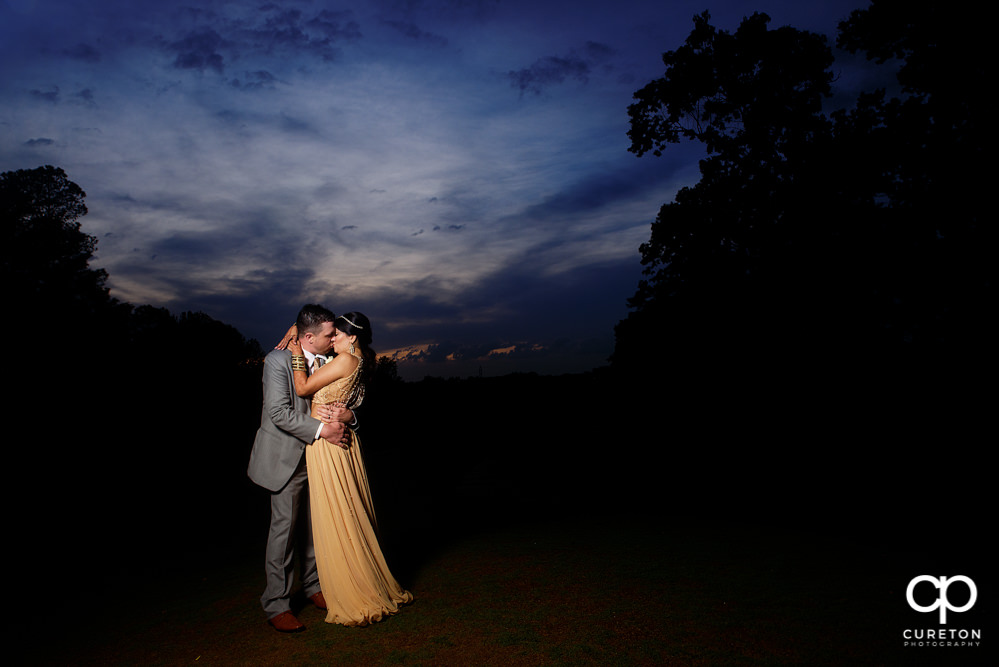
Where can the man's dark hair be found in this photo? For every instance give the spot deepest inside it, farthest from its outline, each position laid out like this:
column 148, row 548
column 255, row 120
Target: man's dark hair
column 311, row 318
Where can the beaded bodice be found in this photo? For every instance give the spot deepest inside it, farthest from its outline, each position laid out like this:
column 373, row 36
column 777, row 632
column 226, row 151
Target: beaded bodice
column 347, row 390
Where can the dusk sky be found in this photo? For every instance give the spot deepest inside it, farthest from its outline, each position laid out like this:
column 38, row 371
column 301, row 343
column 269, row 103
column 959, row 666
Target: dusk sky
column 455, row 169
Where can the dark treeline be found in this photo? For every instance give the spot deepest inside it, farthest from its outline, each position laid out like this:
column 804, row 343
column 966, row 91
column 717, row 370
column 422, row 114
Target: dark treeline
column 135, row 422
column 844, row 244
column 821, row 299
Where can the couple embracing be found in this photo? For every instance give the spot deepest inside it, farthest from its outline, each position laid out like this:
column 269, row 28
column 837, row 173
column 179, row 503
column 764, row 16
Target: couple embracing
column 308, row 456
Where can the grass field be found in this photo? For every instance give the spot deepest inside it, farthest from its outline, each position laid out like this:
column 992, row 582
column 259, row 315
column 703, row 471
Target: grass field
column 607, row 591
column 719, row 538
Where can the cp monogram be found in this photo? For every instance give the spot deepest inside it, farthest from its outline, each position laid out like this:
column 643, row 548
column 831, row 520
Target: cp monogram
column 942, row 603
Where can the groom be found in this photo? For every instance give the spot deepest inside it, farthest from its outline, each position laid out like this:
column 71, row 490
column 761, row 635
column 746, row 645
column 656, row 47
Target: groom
column 277, row 463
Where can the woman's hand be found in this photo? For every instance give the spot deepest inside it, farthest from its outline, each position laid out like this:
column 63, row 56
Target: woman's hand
column 294, row 346
column 341, row 413
column 328, row 413
column 324, row 413
column 288, row 337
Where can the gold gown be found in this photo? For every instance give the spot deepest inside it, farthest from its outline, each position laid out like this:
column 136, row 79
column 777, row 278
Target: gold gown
column 356, row 582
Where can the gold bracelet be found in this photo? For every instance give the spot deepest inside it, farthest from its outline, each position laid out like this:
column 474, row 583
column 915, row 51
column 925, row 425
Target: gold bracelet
column 298, row 363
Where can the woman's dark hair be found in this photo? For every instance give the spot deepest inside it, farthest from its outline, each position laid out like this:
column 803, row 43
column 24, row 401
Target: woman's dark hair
column 357, row 324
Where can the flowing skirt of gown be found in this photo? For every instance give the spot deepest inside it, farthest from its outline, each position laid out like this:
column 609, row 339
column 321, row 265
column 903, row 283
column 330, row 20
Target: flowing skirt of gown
column 355, row 579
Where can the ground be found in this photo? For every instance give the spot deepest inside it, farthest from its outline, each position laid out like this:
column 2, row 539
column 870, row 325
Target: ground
column 613, row 590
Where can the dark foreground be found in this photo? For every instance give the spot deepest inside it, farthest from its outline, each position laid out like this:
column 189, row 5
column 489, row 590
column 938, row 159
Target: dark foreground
column 611, row 591
column 783, row 533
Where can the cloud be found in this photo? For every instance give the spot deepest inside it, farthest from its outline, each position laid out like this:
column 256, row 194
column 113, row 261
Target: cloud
column 83, row 52
column 553, row 70
column 602, row 189
column 336, row 25
column 412, row 32
column 292, row 32
column 244, row 158
column 256, row 80
column 199, row 50
column 549, row 71
column 273, row 35
column 51, row 95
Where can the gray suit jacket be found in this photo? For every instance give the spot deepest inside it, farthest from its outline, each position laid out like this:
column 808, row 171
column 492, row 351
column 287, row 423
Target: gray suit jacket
column 285, row 426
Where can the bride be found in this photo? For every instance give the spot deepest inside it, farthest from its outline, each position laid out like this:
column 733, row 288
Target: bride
column 356, row 582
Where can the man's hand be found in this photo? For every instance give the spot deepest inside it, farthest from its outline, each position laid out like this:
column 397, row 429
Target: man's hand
column 336, row 433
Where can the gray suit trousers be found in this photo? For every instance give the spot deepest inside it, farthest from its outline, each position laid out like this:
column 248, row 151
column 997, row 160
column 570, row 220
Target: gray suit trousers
column 290, row 520
column 277, row 463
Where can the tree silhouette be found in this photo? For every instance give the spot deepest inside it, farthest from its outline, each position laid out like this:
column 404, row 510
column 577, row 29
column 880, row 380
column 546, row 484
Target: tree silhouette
column 46, row 256
column 928, row 147
column 117, row 384
column 809, row 236
column 53, row 293
column 751, row 96
column 720, row 260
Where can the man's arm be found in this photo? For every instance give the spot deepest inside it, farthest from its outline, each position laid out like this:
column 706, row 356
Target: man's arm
column 279, row 400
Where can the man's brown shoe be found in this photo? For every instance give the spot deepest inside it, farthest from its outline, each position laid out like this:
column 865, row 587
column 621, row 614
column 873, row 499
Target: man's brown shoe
column 318, row 600
column 286, row 622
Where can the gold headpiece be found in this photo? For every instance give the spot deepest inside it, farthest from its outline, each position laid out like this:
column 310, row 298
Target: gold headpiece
column 349, row 322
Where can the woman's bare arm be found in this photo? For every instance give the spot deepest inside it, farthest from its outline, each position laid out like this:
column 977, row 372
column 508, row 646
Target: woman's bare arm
column 306, row 385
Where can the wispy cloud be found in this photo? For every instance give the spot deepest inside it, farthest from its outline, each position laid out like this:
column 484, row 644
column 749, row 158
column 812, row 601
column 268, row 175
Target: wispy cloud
column 457, row 170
